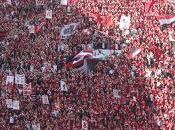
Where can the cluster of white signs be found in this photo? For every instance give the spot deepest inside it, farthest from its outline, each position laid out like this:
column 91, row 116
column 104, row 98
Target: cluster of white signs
column 12, row 104
column 17, row 79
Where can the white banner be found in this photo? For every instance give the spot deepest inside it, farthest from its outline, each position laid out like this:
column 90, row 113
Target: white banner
column 124, row 22
column 68, row 30
column 45, row 99
column 10, row 80
column 9, row 103
column 64, row 2
column 48, row 14
column 63, row 86
column 15, row 104
column 19, row 79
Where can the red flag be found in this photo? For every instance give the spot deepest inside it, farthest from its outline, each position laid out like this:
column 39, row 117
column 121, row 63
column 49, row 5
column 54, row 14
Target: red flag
column 97, row 17
column 73, row 2
column 156, row 51
column 148, row 5
column 39, row 27
column 108, row 21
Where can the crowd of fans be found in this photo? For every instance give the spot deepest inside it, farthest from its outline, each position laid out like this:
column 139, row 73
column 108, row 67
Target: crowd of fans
column 121, row 93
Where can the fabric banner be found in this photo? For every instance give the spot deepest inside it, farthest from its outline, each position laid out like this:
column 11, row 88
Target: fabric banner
column 48, row 14
column 19, row 79
column 124, row 22
column 45, row 99
column 149, row 5
column 63, row 86
column 68, row 30
column 166, row 19
column 10, row 80
column 64, row 2
column 15, row 104
column 9, row 103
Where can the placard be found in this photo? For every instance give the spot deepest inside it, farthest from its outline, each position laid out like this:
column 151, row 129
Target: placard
column 31, row 29
column 15, row 104
column 9, row 103
column 63, row 86
column 48, row 14
column 45, row 99
column 64, row 2
column 10, row 80
column 19, row 79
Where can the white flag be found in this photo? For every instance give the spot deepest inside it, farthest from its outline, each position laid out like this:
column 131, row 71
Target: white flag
column 48, row 14
column 64, row 2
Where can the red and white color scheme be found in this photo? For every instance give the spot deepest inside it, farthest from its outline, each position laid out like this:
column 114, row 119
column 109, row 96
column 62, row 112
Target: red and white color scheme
column 135, row 52
column 27, row 89
column 93, row 55
column 40, row 2
column 39, row 27
column 166, row 19
column 78, row 60
column 68, row 30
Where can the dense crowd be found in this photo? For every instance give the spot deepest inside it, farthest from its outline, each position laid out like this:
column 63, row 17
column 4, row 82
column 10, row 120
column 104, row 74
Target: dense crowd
column 121, row 93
